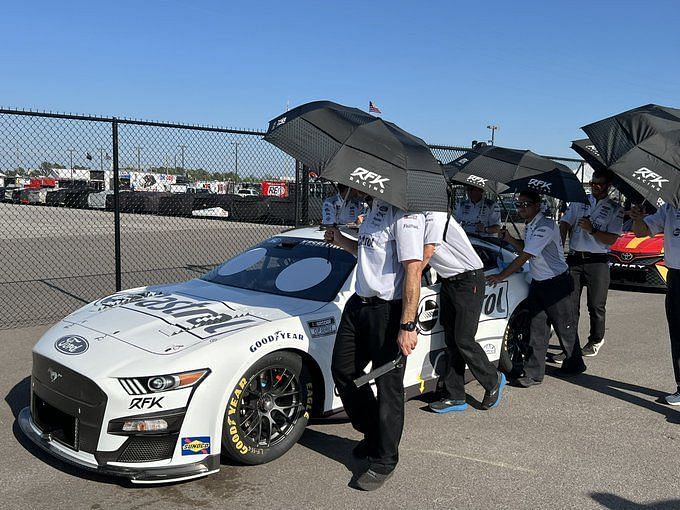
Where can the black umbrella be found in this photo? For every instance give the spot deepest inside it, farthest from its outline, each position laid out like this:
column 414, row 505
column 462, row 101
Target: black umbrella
column 454, row 175
column 520, row 170
column 642, row 146
column 351, row 147
column 585, row 148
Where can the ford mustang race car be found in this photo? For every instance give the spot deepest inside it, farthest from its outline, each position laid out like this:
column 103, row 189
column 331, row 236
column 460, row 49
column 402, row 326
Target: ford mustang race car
column 638, row 262
column 155, row 383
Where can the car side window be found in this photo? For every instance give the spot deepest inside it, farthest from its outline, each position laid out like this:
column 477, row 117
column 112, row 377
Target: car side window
column 489, row 257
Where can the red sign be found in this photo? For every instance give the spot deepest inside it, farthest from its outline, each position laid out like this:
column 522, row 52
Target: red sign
column 275, row 189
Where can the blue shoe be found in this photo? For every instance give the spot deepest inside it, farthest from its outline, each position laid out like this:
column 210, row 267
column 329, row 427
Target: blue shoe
column 493, row 398
column 446, row 405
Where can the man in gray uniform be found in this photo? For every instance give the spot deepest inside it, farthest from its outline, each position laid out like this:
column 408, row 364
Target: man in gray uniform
column 666, row 220
column 549, row 292
column 377, row 323
column 478, row 215
column 594, row 227
column 461, row 273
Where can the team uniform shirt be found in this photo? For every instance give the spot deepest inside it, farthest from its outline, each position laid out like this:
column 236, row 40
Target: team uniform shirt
column 666, row 219
column 543, row 242
column 453, row 255
column 338, row 211
column 606, row 215
column 387, row 237
column 468, row 214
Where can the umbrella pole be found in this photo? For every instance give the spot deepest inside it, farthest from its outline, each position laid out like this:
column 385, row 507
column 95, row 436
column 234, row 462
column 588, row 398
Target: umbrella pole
column 507, row 214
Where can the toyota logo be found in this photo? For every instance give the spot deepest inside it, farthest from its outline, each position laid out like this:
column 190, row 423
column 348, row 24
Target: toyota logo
column 626, row 257
column 72, row 344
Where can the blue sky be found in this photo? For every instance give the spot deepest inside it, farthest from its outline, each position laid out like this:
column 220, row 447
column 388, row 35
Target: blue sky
column 440, row 69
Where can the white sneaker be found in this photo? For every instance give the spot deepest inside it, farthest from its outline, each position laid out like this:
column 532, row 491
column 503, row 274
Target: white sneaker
column 673, row 399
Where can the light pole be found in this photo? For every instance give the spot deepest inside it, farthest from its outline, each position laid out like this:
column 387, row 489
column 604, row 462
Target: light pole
column 236, row 144
column 493, row 132
column 71, row 161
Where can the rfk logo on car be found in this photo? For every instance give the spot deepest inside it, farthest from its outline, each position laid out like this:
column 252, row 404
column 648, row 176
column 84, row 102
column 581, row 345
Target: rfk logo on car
column 146, row 403
column 650, row 178
column 369, row 179
column 539, row 185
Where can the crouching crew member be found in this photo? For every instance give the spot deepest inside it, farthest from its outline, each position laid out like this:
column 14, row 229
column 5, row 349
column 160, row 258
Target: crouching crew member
column 461, row 273
column 549, row 292
column 594, row 227
column 478, row 215
column 377, row 322
column 666, row 220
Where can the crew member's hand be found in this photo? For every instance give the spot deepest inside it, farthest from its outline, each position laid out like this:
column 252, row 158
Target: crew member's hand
column 586, row 225
column 494, row 279
column 360, row 219
column 407, row 341
column 504, row 235
column 331, row 234
column 636, row 213
column 480, row 226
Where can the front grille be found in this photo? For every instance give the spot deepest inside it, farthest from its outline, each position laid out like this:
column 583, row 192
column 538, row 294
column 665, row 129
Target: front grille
column 59, row 425
column 148, row 448
column 647, row 277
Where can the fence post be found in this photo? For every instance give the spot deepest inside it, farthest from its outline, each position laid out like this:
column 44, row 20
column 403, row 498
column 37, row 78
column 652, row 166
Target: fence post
column 296, row 196
column 304, row 212
column 116, row 204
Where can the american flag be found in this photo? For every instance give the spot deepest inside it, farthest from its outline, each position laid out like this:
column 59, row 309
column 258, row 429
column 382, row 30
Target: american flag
column 373, row 108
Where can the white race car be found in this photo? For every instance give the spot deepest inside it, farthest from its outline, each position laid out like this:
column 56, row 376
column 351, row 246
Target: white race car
column 153, row 384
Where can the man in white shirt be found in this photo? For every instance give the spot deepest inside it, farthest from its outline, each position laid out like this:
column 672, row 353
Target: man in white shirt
column 377, row 323
column 478, row 215
column 550, row 291
column 666, row 220
column 343, row 208
column 461, row 297
column 594, row 227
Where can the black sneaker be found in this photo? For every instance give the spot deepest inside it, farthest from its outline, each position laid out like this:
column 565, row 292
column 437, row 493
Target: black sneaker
column 493, row 398
column 526, row 382
column 447, row 405
column 557, row 359
column 568, row 371
column 591, row 348
column 370, row 480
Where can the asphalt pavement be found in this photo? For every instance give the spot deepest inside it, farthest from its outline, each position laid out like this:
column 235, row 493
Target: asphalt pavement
column 600, row 440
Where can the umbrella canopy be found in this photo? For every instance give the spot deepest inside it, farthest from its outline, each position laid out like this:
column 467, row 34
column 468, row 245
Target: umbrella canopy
column 642, row 146
column 364, row 152
column 452, row 174
column 520, row 170
column 588, row 151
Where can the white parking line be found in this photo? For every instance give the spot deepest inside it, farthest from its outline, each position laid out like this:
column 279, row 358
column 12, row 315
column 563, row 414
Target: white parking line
column 483, row 461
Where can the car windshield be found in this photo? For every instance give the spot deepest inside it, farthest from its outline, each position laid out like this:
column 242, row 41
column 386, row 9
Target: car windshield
column 288, row 266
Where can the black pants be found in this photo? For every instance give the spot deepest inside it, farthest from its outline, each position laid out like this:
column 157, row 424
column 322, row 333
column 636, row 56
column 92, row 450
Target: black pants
column 461, row 303
column 673, row 317
column 592, row 273
column 552, row 300
column 368, row 332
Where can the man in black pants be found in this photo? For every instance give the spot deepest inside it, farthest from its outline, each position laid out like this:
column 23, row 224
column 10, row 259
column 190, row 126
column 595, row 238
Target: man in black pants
column 594, row 227
column 461, row 273
column 377, row 322
column 550, row 291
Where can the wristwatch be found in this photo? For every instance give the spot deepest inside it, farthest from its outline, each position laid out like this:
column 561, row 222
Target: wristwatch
column 408, row 326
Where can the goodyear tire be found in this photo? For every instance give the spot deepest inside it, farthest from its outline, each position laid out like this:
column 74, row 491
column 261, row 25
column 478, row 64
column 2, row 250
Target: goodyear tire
column 515, row 343
column 268, row 409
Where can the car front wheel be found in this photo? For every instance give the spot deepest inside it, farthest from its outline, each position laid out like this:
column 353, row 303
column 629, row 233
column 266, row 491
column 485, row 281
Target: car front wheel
column 268, row 409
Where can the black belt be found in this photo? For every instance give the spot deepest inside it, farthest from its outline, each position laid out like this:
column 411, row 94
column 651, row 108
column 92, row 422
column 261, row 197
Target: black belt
column 373, row 300
column 462, row 276
column 586, row 256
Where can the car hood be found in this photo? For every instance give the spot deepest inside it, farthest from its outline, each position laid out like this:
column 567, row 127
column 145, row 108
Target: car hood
column 628, row 243
column 170, row 318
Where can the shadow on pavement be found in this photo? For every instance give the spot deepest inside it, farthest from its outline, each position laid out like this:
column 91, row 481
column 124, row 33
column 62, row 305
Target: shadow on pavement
column 335, row 448
column 621, row 390
column 615, row 502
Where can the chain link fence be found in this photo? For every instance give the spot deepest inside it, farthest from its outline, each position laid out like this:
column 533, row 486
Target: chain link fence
column 91, row 205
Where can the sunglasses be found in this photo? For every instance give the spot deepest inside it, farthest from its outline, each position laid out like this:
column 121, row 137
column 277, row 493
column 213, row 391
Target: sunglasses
column 523, row 205
column 599, row 184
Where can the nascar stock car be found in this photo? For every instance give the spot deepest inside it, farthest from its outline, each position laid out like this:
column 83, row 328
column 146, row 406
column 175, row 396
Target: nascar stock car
column 638, row 262
column 153, row 384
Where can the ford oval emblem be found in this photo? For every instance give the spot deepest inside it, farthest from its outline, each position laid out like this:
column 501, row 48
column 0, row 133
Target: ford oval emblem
column 72, row 344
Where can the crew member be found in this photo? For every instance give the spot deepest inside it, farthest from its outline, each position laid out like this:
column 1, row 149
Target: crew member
column 666, row 219
column 594, row 227
column 549, row 292
column 377, row 323
column 461, row 273
column 478, row 215
column 343, row 208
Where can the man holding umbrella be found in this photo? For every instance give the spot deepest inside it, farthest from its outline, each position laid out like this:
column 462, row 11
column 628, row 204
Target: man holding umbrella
column 478, row 215
column 594, row 227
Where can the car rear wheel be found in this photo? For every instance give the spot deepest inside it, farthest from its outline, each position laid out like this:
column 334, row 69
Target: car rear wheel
column 268, row 409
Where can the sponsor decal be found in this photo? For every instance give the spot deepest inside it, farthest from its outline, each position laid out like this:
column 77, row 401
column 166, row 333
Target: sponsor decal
column 593, row 149
column 322, row 327
column 626, row 256
column 495, row 304
column 489, row 348
column 54, row 375
column 461, row 161
column 280, row 122
column 365, row 240
column 146, row 403
column 474, row 179
column 368, row 179
column 196, row 445
column 628, row 266
column 173, row 348
column 278, row 335
column 650, row 178
column 428, row 314
column 539, row 185
column 72, row 345
column 123, row 298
